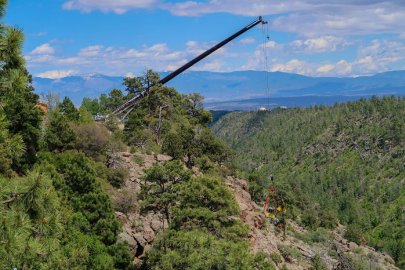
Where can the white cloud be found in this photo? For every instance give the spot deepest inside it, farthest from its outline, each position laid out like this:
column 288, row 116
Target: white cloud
column 238, row 7
column 385, row 51
column 158, row 48
column 130, row 75
column 116, row 6
column 44, row 49
column 325, row 68
column 309, row 17
column 56, row 74
column 174, row 66
column 343, row 68
column 120, row 61
column 248, row 40
column 305, row 17
column 90, row 51
column 344, row 19
column 293, row 66
column 319, row 44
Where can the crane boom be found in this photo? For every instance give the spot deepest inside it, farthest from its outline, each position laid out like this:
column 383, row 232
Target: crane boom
column 210, row 51
column 133, row 101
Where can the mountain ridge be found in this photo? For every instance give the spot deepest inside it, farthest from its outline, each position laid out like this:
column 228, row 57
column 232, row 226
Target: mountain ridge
column 238, row 85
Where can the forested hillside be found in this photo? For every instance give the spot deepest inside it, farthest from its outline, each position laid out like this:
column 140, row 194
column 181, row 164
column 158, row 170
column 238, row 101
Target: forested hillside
column 58, row 167
column 158, row 190
column 341, row 164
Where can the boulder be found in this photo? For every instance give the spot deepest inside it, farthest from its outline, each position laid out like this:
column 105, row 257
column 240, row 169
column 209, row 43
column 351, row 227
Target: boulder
column 132, row 243
column 126, row 154
column 352, row 245
column 156, row 224
column 140, row 240
column 162, row 158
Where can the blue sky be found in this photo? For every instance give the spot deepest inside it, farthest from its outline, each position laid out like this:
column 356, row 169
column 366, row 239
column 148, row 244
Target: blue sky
column 121, row 37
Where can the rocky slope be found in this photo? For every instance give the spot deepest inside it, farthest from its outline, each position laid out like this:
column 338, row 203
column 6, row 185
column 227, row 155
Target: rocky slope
column 140, row 230
column 296, row 253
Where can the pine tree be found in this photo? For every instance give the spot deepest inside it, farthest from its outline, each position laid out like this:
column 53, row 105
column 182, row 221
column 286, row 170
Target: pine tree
column 16, row 93
column 68, row 109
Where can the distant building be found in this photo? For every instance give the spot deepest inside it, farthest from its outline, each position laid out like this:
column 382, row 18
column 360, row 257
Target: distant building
column 283, row 107
column 262, row 109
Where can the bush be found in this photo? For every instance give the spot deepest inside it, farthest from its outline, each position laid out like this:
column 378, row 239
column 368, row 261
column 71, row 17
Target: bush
column 138, row 159
column 310, row 219
column 276, row 258
column 318, row 236
column 261, row 262
column 117, row 176
column 125, row 201
column 328, row 219
column 198, row 249
column 93, row 139
column 318, row 263
column 122, row 256
column 289, row 253
column 353, row 233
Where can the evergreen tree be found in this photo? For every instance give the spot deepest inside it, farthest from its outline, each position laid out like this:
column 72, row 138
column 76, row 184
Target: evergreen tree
column 136, row 85
column 59, row 135
column 114, row 100
column 68, row 109
column 11, row 147
column 16, row 93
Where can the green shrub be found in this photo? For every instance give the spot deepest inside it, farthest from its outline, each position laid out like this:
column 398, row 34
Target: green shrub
column 328, row 219
column 261, row 262
column 125, row 201
column 310, row 219
column 318, row 236
column 138, row 159
column 93, row 139
column 318, row 263
column 196, row 249
column 117, row 176
column 276, row 258
column 353, row 233
column 289, row 253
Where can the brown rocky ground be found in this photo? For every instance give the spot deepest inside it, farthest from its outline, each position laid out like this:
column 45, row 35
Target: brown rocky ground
column 140, row 230
column 268, row 239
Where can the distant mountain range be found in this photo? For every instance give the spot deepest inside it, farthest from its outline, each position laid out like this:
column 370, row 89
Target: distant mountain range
column 244, row 89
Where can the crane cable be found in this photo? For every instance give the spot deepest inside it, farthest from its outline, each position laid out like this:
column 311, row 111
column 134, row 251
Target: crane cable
column 265, row 54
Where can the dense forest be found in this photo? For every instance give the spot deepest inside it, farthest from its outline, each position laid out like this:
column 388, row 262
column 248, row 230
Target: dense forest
column 341, row 164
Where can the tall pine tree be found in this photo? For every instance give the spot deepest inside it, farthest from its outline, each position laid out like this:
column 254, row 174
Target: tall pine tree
column 16, row 93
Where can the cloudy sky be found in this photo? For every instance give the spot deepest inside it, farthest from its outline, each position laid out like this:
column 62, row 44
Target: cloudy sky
column 121, row 37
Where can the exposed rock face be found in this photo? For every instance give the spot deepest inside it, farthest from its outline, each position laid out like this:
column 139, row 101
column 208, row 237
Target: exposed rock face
column 266, row 238
column 161, row 158
column 139, row 230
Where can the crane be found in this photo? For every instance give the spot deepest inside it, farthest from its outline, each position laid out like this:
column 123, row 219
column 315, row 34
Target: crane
column 131, row 103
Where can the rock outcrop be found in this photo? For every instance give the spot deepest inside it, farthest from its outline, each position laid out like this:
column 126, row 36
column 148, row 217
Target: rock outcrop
column 140, row 230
